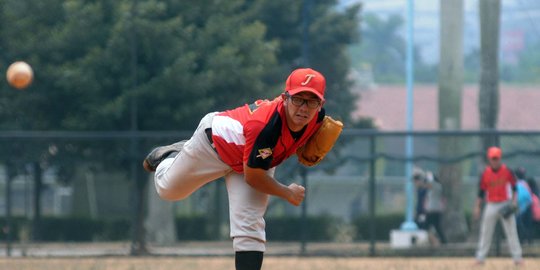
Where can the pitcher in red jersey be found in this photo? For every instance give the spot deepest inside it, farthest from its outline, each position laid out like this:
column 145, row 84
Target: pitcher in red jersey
column 244, row 145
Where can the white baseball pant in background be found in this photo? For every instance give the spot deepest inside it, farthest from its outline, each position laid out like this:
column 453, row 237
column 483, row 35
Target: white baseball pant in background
column 489, row 220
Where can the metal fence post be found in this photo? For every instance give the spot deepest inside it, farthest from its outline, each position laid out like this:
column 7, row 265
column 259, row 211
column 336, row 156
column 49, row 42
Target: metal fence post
column 372, row 161
column 9, row 226
column 304, row 236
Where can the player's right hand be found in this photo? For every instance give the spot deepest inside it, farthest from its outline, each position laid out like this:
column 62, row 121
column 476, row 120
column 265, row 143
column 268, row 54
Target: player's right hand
column 476, row 213
column 297, row 194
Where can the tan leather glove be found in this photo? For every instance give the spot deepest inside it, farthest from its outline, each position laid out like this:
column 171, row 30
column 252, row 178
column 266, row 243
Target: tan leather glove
column 320, row 143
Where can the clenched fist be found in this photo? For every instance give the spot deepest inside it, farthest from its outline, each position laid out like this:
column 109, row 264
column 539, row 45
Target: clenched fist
column 297, row 194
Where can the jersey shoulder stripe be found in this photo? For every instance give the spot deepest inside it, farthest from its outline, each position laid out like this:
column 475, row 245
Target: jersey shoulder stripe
column 229, row 129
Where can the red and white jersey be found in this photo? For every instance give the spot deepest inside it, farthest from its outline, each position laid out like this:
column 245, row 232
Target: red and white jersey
column 497, row 184
column 258, row 135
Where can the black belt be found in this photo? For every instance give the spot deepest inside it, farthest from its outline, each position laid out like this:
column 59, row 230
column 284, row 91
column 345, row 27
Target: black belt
column 208, row 132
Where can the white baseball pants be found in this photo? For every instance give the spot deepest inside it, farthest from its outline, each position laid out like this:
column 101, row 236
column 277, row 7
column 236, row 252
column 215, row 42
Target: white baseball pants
column 197, row 164
column 489, row 220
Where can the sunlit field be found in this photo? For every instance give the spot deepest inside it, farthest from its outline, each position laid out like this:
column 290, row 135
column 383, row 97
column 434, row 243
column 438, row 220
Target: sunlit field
column 270, row 263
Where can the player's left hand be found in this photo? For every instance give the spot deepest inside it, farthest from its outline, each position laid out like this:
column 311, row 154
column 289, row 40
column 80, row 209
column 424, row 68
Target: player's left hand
column 514, row 202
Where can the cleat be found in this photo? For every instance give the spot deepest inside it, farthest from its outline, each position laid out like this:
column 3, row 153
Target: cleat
column 158, row 154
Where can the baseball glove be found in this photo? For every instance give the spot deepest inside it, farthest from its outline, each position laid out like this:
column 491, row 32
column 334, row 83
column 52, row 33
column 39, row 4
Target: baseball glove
column 507, row 210
column 320, row 142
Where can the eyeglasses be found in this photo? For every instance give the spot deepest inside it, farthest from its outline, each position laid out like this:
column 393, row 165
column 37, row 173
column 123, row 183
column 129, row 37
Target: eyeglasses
column 297, row 101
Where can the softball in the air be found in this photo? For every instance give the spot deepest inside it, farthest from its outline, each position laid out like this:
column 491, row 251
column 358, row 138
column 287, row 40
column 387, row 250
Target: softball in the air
column 19, row 75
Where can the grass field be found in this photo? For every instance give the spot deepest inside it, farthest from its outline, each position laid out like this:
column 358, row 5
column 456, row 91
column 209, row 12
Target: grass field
column 270, row 263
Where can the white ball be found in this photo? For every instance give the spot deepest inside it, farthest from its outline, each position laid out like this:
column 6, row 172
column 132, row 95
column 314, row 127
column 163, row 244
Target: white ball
column 19, row 75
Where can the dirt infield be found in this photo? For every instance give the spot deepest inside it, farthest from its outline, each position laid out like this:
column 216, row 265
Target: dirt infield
column 270, row 263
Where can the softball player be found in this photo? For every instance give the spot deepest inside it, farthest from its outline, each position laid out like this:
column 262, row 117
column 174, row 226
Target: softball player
column 498, row 188
column 244, row 145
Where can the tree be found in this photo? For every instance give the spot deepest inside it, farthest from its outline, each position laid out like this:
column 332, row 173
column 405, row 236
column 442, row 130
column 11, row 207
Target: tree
column 81, row 52
column 489, row 68
column 192, row 57
column 25, row 30
column 527, row 69
column 95, row 61
column 383, row 48
column 450, row 94
column 330, row 32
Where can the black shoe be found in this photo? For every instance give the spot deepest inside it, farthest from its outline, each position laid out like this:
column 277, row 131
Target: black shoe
column 157, row 155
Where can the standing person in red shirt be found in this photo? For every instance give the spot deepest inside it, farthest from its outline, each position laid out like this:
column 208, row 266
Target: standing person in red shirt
column 498, row 189
column 244, row 145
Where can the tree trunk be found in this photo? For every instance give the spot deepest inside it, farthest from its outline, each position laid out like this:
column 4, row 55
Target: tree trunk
column 488, row 100
column 488, row 96
column 450, row 94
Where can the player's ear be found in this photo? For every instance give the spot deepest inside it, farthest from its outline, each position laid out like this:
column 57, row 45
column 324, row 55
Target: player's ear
column 322, row 104
column 284, row 96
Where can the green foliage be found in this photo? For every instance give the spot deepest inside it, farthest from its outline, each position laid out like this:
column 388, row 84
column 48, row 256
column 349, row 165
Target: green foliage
column 161, row 65
column 71, row 229
column 527, row 68
column 193, row 228
column 330, row 32
column 95, row 60
column 315, row 228
column 383, row 225
column 98, row 62
column 383, row 49
column 114, row 230
column 86, row 75
column 75, row 229
column 364, row 123
column 18, row 225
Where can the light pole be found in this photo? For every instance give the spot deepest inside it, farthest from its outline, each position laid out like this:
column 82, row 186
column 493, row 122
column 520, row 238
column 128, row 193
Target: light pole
column 409, row 223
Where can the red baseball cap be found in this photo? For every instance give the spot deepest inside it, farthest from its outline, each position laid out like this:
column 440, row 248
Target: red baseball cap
column 494, row 152
column 306, row 79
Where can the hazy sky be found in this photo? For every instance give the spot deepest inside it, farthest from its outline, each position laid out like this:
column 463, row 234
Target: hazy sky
column 517, row 15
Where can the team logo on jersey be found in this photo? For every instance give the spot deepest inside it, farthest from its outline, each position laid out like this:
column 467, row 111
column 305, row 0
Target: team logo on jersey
column 264, row 153
column 254, row 106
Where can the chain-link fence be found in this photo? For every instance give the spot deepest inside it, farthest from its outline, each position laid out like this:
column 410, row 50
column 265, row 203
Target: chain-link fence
column 90, row 186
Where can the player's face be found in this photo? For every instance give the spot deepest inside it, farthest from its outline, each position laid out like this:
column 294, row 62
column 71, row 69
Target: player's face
column 495, row 162
column 300, row 109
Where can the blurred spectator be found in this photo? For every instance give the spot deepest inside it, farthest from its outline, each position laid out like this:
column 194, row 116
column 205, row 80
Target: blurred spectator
column 419, row 178
column 434, row 207
column 535, row 205
column 533, row 186
column 524, row 199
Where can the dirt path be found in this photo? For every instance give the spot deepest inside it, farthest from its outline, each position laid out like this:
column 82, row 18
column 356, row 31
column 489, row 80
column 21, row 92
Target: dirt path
column 271, row 263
